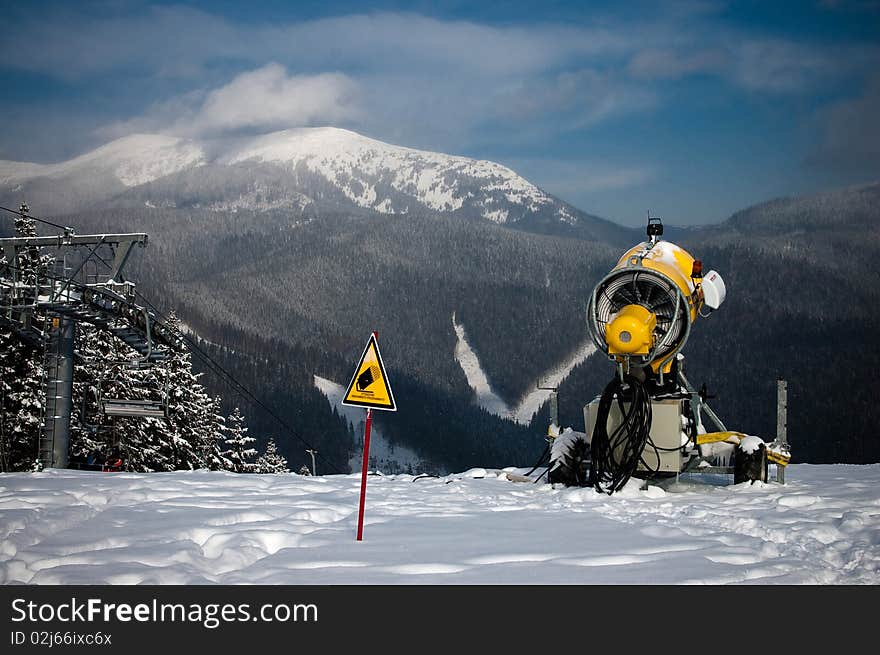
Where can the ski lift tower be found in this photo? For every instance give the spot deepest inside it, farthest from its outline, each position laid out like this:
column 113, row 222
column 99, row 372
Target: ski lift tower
column 59, row 281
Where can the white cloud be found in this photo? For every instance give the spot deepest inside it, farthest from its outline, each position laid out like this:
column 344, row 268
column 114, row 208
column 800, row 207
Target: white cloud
column 71, row 42
column 182, row 42
column 267, row 98
column 440, row 84
column 754, row 64
column 264, row 99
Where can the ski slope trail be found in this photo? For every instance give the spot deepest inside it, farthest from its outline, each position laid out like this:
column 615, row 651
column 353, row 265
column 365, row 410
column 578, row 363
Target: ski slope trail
column 76, row 527
column 489, row 400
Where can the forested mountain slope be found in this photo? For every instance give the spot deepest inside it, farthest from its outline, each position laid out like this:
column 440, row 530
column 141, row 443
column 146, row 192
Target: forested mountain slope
column 288, row 268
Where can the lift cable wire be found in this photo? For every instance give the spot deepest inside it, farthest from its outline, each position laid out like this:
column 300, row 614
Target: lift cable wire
column 237, row 386
column 39, row 220
column 206, row 359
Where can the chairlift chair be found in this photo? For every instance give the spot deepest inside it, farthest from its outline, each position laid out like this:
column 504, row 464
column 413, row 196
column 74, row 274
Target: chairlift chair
column 131, row 407
column 120, row 407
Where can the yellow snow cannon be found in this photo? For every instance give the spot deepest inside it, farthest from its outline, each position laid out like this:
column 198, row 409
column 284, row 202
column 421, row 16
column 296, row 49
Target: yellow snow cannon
column 648, row 418
column 641, row 313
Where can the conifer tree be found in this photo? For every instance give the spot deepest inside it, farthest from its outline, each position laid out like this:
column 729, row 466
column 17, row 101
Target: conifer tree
column 212, row 438
column 271, row 461
column 238, row 445
column 184, row 436
column 192, row 435
column 21, row 403
column 21, row 366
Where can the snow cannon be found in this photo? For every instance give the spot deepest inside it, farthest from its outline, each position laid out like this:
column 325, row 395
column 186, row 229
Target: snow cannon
column 641, row 313
column 648, row 421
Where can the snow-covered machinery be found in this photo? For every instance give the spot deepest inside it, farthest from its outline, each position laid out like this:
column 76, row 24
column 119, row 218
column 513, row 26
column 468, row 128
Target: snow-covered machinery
column 648, row 420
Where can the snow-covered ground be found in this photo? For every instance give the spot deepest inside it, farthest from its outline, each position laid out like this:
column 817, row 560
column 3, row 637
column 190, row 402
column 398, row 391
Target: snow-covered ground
column 68, row 527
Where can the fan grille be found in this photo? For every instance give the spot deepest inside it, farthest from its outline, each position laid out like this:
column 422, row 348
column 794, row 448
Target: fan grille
column 650, row 290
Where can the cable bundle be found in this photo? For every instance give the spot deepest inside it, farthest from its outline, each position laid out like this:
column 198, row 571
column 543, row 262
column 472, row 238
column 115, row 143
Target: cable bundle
column 614, row 457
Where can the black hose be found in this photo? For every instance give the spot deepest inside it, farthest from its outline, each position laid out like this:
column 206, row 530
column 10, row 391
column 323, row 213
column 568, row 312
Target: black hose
column 615, row 457
column 540, row 461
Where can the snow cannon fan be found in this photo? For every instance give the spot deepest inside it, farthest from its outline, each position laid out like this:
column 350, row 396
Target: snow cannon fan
column 648, row 417
column 641, row 313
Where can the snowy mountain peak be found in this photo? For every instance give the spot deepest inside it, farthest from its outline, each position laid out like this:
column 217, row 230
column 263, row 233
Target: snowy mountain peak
column 394, row 179
column 326, row 168
column 133, row 160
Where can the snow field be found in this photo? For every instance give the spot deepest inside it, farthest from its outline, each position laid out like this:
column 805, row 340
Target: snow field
column 134, row 159
column 76, row 527
column 351, row 161
column 363, row 169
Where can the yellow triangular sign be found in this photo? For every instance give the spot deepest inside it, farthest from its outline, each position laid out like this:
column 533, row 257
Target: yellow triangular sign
column 369, row 385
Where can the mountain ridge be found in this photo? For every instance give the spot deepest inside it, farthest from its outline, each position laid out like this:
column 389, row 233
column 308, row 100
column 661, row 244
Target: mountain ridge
column 295, row 169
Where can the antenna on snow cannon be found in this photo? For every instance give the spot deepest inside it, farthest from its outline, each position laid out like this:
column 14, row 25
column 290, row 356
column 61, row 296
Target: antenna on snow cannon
column 648, row 420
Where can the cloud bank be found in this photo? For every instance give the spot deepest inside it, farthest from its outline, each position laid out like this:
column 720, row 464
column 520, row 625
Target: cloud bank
column 507, row 90
column 261, row 100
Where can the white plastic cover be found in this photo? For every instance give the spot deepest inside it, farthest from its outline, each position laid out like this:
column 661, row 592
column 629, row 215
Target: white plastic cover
column 714, row 291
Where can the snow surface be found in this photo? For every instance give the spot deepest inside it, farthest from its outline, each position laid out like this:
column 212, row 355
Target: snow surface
column 386, row 178
column 354, row 163
column 133, row 160
column 750, row 444
column 78, row 527
column 476, row 377
column 528, row 405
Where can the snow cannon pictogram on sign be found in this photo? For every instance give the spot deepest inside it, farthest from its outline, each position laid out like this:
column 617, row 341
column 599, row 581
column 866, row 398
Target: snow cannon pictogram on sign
column 369, row 385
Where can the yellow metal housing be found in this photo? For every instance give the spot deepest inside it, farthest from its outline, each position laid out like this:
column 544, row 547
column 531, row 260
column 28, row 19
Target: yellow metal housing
column 676, row 264
column 671, row 260
column 714, row 437
column 631, row 332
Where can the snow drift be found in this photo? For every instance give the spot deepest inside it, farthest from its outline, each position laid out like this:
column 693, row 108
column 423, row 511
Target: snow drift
column 72, row 527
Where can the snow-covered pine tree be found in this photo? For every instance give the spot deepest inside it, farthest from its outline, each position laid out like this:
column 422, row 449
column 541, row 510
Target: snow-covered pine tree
column 21, row 365
column 186, row 439
column 87, row 429
column 238, row 445
column 189, row 438
column 212, row 439
column 190, row 411
column 32, row 263
column 21, row 403
column 271, row 461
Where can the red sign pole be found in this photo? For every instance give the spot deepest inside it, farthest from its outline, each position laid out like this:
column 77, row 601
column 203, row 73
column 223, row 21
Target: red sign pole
column 364, row 467
column 360, row 535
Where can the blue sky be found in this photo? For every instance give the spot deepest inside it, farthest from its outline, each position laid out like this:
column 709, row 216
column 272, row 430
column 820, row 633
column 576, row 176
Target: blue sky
column 692, row 109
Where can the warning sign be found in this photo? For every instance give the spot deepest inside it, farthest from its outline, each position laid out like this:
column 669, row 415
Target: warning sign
column 369, row 385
